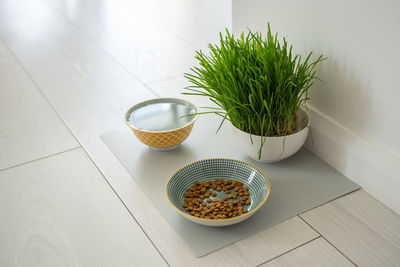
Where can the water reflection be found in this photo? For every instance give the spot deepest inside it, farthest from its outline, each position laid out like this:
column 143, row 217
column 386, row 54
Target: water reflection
column 162, row 116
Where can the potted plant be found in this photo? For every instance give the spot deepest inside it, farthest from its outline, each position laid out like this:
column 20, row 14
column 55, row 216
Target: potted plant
column 261, row 87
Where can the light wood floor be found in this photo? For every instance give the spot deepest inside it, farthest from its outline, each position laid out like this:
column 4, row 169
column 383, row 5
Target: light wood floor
column 68, row 71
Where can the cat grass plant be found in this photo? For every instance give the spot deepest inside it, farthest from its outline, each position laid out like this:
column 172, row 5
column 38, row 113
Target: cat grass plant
column 257, row 83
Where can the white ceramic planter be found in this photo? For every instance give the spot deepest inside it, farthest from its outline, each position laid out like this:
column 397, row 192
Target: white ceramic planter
column 275, row 148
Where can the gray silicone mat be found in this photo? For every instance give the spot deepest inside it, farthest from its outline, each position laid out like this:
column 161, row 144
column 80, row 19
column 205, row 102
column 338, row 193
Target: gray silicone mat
column 298, row 184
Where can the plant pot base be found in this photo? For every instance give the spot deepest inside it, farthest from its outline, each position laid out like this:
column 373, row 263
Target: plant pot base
column 275, row 148
column 265, row 160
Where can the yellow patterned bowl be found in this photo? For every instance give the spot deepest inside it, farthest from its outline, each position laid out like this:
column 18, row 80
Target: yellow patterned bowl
column 162, row 123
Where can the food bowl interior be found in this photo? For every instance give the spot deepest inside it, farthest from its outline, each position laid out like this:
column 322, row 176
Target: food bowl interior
column 211, row 169
column 161, row 114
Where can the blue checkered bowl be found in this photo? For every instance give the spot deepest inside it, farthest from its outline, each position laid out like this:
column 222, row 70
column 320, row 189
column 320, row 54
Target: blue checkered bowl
column 218, row 168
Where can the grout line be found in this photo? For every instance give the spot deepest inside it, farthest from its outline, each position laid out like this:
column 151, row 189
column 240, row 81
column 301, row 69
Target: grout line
column 290, row 250
column 94, row 43
column 86, row 36
column 126, row 207
column 39, row 90
column 146, row 85
column 336, row 198
column 90, row 158
column 327, row 240
column 41, row 158
column 80, row 146
column 151, row 90
column 164, row 79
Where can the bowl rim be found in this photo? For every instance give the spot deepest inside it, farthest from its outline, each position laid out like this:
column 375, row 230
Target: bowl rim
column 162, row 100
column 219, row 220
column 305, row 128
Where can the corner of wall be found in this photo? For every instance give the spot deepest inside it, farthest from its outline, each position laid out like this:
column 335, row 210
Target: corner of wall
column 377, row 171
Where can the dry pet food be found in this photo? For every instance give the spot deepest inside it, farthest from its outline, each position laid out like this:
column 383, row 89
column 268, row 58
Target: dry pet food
column 201, row 199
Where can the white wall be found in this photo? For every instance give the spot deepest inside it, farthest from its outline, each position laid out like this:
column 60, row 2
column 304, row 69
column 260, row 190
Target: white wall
column 355, row 111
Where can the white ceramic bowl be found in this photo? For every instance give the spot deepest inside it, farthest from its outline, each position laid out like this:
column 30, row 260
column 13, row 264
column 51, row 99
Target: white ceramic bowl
column 274, row 148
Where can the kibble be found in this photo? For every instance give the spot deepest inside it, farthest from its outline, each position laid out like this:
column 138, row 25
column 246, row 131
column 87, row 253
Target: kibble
column 198, row 203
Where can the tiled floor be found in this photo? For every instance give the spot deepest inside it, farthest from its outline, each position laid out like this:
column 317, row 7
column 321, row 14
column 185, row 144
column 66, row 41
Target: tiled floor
column 68, row 70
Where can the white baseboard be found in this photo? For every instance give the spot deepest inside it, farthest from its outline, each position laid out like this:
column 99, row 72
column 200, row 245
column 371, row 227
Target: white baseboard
column 377, row 171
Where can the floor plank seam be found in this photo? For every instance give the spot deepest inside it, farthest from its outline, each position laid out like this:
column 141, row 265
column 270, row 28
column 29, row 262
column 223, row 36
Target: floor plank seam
column 163, row 79
column 328, row 241
column 117, row 61
column 80, row 145
column 40, row 90
column 126, row 207
column 95, row 43
column 148, row 85
column 41, row 158
column 383, row 205
column 290, row 250
column 330, row 201
column 302, row 245
column 151, row 90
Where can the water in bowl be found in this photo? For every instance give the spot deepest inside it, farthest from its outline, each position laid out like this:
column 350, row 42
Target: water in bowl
column 162, row 116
